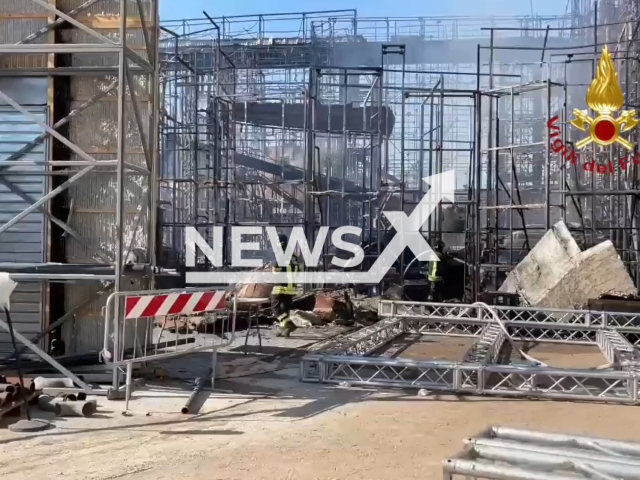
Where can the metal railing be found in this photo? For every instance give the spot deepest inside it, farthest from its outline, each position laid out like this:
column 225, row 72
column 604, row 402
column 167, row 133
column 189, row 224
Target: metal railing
column 130, row 327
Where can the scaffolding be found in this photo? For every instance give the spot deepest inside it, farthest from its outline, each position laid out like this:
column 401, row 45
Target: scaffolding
column 526, row 186
column 315, row 119
column 78, row 83
column 327, row 119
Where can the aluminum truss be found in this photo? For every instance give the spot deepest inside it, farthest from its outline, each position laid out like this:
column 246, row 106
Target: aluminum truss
column 352, row 360
column 101, row 142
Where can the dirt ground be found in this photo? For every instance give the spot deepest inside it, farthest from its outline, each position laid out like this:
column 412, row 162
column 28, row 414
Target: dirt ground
column 438, row 348
column 273, row 427
column 567, row 356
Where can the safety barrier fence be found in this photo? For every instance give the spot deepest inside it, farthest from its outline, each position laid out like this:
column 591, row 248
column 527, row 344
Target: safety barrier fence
column 131, row 335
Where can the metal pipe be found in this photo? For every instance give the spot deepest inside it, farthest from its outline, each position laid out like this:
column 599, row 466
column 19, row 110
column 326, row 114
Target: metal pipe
column 551, row 459
column 200, row 383
column 7, row 388
column 479, row 469
column 564, row 439
column 120, row 178
column 74, row 409
column 41, row 383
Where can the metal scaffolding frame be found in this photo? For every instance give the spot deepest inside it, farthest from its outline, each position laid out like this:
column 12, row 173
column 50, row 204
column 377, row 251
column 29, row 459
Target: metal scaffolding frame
column 100, row 60
column 525, row 186
column 276, row 114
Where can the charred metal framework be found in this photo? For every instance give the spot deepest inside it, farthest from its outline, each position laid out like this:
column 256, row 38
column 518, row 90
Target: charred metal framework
column 526, row 186
column 98, row 62
column 318, row 119
column 325, row 119
column 362, row 358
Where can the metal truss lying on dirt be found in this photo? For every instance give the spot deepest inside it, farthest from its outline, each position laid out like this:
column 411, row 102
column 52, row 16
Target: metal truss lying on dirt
column 352, row 359
column 502, row 453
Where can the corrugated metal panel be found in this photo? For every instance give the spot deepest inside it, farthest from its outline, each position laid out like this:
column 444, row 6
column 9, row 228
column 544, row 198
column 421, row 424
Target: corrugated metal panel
column 24, row 242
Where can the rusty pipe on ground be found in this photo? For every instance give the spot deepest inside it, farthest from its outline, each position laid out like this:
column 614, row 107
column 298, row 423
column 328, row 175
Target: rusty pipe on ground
column 65, row 407
column 7, row 387
column 29, row 384
column 6, row 398
column 76, row 409
column 45, row 403
column 200, row 384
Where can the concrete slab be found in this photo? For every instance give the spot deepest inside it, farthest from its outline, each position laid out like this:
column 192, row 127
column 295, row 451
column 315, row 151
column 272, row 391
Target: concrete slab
column 594, row 272
column 556, row 274
column 544, row 266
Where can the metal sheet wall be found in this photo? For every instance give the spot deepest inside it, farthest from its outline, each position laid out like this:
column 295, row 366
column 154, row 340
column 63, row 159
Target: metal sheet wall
column 24, row 242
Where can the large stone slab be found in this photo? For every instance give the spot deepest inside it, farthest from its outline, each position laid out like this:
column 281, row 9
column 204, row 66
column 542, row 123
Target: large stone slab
column 544, row 266
column 556, row 274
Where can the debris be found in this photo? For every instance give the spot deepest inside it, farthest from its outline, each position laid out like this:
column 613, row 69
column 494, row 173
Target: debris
column 67, row 406
column 45, row 404
column 305, row 319
column 255, row 290
column 556, row 274
column 42, row 382
column 200, row 383
column 324, row 307
column 394, row 292
column 331, row 305
column 75, row 409
column 174, row 324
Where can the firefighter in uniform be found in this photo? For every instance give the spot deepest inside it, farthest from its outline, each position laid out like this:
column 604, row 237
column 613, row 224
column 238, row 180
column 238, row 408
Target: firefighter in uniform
column 283, row 293
column 434, row 274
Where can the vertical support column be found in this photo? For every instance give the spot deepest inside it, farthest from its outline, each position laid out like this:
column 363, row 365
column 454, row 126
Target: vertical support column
column 120, row 207
column 51, row 63
column 513, row 169
column 547, row 162
column 490, row 192
column 478, row 179
column 402, row 147
column 440, row 166
column 155, row 142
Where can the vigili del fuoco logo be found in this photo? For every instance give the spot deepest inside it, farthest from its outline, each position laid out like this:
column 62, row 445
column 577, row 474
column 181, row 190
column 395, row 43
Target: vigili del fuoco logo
column 605, row 97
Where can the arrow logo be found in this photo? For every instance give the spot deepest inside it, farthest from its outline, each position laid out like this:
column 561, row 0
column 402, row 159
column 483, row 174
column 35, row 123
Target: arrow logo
column 408, row 235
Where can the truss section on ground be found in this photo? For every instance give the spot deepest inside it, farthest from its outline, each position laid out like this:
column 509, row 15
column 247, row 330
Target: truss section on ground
column 360, row 359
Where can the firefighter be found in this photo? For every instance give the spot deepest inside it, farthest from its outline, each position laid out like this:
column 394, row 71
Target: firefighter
column 283, row 293
column 434, row 274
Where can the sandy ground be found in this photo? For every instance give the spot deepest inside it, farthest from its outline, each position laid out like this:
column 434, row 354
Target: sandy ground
column 438, row 348
column 273, row 427
column 567, row 356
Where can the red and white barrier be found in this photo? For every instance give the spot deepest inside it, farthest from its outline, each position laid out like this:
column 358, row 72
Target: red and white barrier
column 173, row 304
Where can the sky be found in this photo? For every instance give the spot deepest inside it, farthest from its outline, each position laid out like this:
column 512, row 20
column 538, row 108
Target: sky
column 179, row 9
